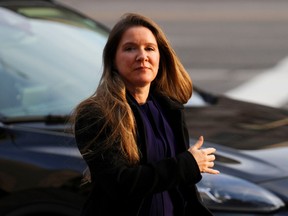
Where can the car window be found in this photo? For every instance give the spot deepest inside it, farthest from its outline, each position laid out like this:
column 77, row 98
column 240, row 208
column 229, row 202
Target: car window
column 60, row 15
column 47, row 64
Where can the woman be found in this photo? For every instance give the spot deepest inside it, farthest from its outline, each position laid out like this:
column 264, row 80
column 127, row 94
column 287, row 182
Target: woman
column 132, row 132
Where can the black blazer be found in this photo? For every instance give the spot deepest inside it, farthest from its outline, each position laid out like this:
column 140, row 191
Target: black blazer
column 119, row 189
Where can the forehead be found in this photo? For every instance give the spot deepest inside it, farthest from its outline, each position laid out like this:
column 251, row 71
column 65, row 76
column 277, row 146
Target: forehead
column 137, row 34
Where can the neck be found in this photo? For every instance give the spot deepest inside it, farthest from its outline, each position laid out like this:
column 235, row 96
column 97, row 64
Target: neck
column 140, row 94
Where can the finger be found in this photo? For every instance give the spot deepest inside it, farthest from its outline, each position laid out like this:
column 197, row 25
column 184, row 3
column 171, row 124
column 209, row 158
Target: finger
column 212, row 171
column 210, row 150
column 199, row 142
column 211, row 164
column 211, row 157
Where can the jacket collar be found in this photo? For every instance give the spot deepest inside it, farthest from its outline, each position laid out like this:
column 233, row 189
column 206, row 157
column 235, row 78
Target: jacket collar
column 165, row 101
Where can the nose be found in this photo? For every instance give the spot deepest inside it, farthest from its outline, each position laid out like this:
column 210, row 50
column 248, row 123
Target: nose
column 142, row 56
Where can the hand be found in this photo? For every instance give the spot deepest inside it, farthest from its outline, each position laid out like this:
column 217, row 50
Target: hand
column 204, row 157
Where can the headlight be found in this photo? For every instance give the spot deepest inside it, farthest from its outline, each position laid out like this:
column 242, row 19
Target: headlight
column 228, row 193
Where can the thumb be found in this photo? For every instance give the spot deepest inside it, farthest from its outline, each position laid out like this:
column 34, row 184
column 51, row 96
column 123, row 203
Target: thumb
column 199, row 142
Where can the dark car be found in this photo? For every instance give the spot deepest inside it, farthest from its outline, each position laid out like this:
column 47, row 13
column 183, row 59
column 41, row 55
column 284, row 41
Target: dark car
column 50, row 60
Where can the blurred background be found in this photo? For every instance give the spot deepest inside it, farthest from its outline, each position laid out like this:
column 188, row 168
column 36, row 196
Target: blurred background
column 234, row 47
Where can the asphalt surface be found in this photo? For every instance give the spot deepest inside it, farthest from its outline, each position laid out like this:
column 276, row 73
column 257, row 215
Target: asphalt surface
column 222, row 43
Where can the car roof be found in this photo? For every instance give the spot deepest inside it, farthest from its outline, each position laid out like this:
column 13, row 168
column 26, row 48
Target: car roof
column 28, row 2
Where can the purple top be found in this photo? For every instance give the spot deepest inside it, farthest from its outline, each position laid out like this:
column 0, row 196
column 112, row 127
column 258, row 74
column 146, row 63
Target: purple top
column 160, row 144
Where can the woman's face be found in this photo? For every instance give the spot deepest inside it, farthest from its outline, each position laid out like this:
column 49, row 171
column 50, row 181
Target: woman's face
column 137, row 57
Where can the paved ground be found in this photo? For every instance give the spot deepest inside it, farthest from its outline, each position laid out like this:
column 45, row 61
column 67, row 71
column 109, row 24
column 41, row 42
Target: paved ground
column 222, row 43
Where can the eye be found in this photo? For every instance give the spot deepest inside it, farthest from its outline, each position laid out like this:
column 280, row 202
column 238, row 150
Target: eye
column 150, row 48
column 129, row 48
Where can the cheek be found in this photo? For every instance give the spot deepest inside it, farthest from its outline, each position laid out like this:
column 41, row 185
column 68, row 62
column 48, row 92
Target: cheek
column 156, row 58
column 156, row 62
column 123, row 62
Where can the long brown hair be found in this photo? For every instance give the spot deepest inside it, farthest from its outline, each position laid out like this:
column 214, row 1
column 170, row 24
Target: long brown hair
column 172, row 81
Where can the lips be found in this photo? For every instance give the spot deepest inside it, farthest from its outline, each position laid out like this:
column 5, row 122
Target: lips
column 142, row 68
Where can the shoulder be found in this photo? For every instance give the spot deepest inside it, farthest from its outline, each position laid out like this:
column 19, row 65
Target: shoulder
column 87, row 114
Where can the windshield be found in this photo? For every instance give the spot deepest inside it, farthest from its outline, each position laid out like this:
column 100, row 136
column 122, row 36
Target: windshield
column 50, row 60
column 48, row 63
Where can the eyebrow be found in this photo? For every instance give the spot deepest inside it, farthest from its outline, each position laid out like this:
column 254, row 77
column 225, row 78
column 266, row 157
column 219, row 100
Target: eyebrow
column 133, row 43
